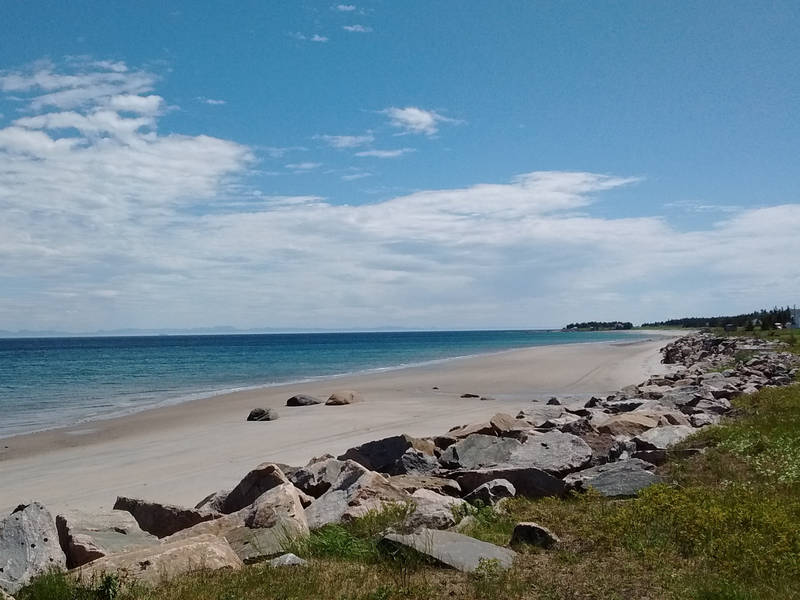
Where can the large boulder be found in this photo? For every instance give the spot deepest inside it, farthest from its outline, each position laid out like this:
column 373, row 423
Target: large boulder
column 453, row 549
column 303, row 400
column 507, row 426
column 321, row 473
column 440, row 485
column 462, row 431
column 615, row 480
column 387, row 455
column 263, row 414
column 87, row 536
column 478, row 451
column 627, row 424
column 555, row 452
column 353, row 494
column 152, row 566
column 261, row 479
column 533, row 534
column 527, row 481
column 344, row 397
column 28, row 546
column 433, row 510
column 163, row 519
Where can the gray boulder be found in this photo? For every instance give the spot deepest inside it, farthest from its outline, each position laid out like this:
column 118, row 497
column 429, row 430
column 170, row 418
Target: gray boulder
column 662, row 438
column 615, row 480
column 527, row 481
column 287, row 560
column 386, row 455
column 28, row 546
column 555, row 452
column 491, row 492
column 452, row 549
column 478, row 451
column 534, row 535
column 440, row 485
column 163, row 519
column 433, row 510
column 319, row 474
column 262, row 414
column 261, row 479
column 303, row 400
column 87, row 536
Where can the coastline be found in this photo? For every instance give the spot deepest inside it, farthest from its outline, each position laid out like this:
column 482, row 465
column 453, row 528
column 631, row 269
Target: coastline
column 179, row 453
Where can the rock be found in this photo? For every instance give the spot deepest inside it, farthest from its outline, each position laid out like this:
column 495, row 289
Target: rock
column 442, row 442
column 417, row 463
column 303, row 400
column 433, row 510
column 287, row 560
column 507, row 426
column 344, row 397
column 662, row 438
column 604, row 446
column 662, row 414
column 385, row 455
column 528, row 481
column 533, row 534
column 538, row 414
column 553, row 401
column 4, row 596
column 453, row 549
column 355, row 492
column 703, row 419
column 627, row 424
column 491, row 492
column 85, row 537
column 554, row 452
column 464, row 431
column 440, row 485
column 262, row 414
column 470, row 395
column 478, row 451
column 28, row 546
column 319, row 475
column 152, row 566
column 261, row 479
column 487, row 398
column 654, row 391
column 615, row 480
column 162, row 519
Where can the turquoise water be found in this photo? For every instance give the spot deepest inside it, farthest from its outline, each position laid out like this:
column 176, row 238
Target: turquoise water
column 50, row 382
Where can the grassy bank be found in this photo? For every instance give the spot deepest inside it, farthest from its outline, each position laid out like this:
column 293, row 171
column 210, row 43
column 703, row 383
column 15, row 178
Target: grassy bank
column 724, row 526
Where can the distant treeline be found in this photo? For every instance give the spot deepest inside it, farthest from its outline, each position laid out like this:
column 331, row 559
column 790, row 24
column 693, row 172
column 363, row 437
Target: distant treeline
column 766, row 319
column 597, row 325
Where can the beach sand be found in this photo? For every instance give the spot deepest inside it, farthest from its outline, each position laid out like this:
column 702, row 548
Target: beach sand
column 181, row 453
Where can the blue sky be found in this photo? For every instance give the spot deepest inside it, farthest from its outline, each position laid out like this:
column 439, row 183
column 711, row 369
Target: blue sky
column 395, row 164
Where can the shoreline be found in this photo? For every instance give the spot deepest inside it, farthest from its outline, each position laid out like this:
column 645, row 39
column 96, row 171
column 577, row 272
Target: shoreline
column 179, row 453
column 194, row 396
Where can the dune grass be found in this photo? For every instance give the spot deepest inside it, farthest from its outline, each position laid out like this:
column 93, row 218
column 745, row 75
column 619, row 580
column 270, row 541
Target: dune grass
column 725, row 525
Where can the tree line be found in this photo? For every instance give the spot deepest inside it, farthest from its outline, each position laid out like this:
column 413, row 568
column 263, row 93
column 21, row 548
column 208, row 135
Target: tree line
column 765, row 319
column 597, row 325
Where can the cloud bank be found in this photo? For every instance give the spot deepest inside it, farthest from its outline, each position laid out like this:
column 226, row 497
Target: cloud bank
column 110, row 222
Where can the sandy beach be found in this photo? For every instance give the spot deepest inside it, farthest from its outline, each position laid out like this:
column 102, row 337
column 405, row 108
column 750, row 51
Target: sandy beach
column 181, row 453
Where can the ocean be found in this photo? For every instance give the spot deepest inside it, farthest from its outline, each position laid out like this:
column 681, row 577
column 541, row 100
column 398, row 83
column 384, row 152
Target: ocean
column 52, row 382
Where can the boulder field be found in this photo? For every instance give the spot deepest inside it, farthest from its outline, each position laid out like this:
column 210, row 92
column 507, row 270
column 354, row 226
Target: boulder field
column 610, row 444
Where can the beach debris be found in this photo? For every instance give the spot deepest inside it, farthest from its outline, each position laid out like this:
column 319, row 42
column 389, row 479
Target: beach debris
column 470, row 395
column 153, row 566
column 303, row 400
column 355, row 492
column 534, row 535
column 261, row 479
column 440, row 485
column 28, row 546
column 452, row 549
column 86, row 536
column 288, row 560
column 433, row 510
column 528, row 481
column 491, row 492
column 621, row 479
column 163, row 519
column 555, row 452
column 263, row 414
column 387, row 455
column 344, row 397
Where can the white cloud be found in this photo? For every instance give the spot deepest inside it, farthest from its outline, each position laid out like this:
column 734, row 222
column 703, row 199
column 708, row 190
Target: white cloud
column 303, row 166
column 357, row 28
column 304, row 38
column 319, row 38
column 347, row 141
column 412, row 119
column 211, row 101
column 385, row 153
column 106, row 224
column 345, row 7
column 354, row 176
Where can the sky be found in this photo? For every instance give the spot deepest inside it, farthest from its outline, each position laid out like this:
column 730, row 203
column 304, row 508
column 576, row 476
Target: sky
column 427, row 165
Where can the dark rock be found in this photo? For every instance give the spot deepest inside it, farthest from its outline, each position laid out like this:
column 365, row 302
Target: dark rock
column 477, row 451
column 533, row 534
column 28, row 546
column 615, row 480
column 386, row 455
column 553, row 402
column 440, row 485
column 491, row 492
column 262, row 414
column 303, row 400
column 453, row 549
column 261, row 479
column 162, row 519
column 470, row 395
column 528, row 481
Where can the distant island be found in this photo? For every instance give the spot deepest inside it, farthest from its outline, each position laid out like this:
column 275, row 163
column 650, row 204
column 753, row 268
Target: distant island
column 599, row 326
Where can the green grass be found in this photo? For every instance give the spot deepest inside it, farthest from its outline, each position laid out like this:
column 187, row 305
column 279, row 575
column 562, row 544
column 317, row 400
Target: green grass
column 725, row 525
